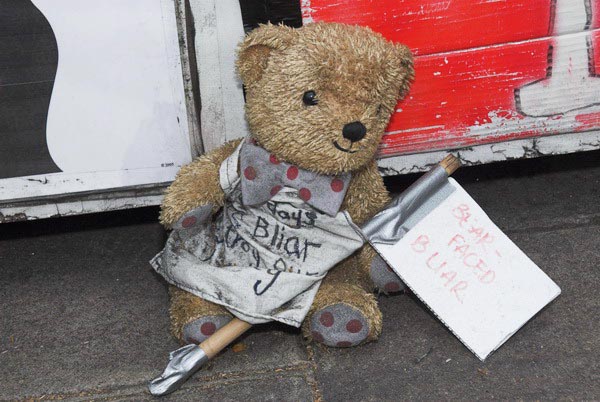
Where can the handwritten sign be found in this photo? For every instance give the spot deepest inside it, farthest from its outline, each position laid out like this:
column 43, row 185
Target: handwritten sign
column 470, row 274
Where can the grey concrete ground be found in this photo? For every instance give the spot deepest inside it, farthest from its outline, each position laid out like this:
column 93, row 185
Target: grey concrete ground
column 82, row 316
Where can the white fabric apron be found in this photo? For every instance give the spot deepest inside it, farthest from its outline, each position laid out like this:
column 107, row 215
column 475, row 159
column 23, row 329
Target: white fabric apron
column 262, row 262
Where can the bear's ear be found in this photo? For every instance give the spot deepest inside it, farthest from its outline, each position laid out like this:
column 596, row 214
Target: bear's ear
column 404, row 70
column 254, row 51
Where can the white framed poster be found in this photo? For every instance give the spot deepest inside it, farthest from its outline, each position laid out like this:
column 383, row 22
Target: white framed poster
column 117, row 115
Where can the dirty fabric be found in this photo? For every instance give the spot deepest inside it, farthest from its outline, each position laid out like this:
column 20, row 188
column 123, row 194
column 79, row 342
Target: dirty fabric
column 263, row 262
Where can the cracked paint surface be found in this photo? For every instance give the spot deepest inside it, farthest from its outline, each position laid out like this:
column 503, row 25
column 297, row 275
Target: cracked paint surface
column 471, row 80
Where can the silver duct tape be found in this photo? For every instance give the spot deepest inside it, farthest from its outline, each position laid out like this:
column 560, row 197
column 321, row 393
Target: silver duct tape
column 407, row 209
column 183, row 362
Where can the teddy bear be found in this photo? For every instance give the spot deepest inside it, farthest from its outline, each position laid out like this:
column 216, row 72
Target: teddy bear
column 266, row 228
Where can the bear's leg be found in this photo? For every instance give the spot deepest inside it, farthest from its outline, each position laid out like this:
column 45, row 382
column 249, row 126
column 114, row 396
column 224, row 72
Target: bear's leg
column 194, row 319
column 384, row 278
column 344, row 312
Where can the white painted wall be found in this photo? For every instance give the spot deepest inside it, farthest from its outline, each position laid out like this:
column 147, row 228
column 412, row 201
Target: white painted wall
column 219, row 30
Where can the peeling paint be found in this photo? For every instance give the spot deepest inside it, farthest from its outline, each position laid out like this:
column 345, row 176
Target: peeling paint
column 496, row 152
column 80, row 204
column 18, row 217
column 485, row 85
column 50, row 186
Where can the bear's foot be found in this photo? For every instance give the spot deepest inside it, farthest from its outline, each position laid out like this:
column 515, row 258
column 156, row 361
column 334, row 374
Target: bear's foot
column 384, row 278
column 194, row 319
column 342, row 315
column 339, row 325
column 198, row 330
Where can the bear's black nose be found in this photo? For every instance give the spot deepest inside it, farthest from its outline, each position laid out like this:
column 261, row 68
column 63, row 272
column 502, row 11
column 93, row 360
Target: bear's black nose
column 354, row 131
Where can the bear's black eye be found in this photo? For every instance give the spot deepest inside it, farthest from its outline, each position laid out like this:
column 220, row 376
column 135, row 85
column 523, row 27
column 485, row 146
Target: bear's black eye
column 310, row 98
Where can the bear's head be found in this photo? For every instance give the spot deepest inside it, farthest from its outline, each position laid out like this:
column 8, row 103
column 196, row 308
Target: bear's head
column 321, row 96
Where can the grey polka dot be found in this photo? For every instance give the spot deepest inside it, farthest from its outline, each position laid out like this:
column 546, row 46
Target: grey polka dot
column 384, row 279
column 199, row 330
column 339, row 325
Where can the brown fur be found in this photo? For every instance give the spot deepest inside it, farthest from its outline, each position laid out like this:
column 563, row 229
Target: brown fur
column 357, row 76
column 185, row 307
column 334, row 292
column 196, row 184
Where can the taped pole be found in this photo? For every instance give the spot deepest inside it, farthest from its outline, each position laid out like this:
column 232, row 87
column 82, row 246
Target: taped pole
column 450, row 163
column 186, row 360
column 390, row 224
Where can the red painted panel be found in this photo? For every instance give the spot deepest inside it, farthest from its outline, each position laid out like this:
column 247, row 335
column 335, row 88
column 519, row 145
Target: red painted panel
column 498, row 87
column 441, row 25
column 457, row 90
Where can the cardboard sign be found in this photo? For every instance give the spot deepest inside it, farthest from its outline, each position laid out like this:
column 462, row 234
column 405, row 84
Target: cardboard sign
column 469, row 273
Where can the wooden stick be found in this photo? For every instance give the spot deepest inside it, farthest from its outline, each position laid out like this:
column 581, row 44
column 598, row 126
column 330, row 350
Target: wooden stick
column 450, row 163
column 224, row 336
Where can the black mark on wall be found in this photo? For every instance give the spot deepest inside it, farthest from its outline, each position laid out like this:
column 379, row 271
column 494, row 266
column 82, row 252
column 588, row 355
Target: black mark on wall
column 256, row 12
column 28, row 63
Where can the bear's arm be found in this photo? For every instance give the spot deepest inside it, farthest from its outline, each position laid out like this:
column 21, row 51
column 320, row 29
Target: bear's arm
column 366, row 195
column 196, row 184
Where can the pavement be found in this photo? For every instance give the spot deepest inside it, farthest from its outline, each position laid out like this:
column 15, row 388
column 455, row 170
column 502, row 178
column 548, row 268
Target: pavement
column 83, row 316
